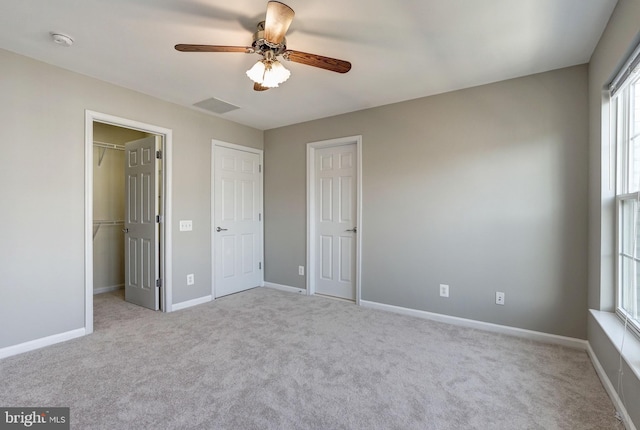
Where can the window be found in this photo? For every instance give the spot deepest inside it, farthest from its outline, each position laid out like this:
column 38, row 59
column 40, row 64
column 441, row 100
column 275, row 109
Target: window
column 625, row 108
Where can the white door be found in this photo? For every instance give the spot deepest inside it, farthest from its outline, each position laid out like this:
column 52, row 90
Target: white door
column 335, row 225
column 140, row 225
column 237, row 228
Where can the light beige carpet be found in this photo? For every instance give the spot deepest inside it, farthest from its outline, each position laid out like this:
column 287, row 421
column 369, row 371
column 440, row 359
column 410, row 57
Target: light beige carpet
column 265, row 359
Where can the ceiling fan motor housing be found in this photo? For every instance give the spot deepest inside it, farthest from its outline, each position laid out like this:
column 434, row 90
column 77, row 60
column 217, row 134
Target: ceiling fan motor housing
column 262, row 45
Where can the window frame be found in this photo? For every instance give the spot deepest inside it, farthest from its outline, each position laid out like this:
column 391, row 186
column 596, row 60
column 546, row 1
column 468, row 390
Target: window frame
column 623, row 314
column 622, row 108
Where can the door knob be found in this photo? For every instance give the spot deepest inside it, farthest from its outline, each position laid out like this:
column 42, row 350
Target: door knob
column 125, row 230
column 354, row 230
column 221, row 229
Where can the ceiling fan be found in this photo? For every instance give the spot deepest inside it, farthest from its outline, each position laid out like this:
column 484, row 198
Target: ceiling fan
column 269, row 42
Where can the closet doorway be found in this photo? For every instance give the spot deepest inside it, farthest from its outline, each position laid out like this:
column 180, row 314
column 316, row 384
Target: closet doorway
column 126, row 206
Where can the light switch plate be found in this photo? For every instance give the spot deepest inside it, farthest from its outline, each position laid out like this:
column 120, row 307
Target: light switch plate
column 186, row 225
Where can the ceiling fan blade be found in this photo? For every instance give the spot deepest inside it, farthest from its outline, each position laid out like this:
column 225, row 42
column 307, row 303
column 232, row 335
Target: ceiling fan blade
column 258, row 87
column 277, row 22
column 314, row 60
column 213, row 48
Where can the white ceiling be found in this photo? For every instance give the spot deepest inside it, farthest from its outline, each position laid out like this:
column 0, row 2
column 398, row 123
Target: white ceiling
column 400, row 50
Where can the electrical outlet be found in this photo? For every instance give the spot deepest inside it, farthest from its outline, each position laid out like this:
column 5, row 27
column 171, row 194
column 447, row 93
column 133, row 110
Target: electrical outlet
column 499, row 298
column 191, row 279
column 301, row 270
column 444, row 290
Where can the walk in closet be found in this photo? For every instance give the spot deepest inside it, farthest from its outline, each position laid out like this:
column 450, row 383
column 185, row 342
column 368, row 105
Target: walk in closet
column 109, row 205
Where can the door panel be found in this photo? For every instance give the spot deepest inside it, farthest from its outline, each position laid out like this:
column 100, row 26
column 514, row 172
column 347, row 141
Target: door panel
column 229, row 250
column 228, row 199
column 248, row 200
column 346, row 245
column 335, row 215
column 141, row 228
column 148, row 265
column 132, row 269
column 148, row 202
column 132, row 199
column 237, row 201
column 248, row 253
column 326, row 255
column 346, row 198
column 326, row 199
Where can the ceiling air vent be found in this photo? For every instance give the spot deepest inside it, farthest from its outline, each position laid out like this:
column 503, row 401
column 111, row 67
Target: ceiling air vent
column 216, row 106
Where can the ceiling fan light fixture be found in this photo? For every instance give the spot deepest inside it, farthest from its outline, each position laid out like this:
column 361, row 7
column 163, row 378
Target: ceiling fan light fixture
column 275, row 74
column 268, row 73
column 256, row 73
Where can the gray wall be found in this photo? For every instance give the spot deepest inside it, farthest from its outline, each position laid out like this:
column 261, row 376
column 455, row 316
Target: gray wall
column 617, row 42
column 42, row 191
column 484, row 189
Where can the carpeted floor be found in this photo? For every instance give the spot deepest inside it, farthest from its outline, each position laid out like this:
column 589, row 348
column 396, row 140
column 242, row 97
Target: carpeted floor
column 265, row 359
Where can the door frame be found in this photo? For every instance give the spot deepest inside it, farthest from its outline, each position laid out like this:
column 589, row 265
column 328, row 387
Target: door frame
column 219, row 143
column 311, row 206
column 165, row 230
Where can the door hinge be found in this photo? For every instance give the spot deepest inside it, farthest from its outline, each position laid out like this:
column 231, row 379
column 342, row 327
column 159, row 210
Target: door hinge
column 158, row 218
column 259, row 168
column 259, row 217
column 260, row 265
column 158, row 283
column 159, row 155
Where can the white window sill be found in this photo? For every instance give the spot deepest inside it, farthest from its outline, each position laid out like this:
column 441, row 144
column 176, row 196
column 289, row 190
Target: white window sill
column 614, row 329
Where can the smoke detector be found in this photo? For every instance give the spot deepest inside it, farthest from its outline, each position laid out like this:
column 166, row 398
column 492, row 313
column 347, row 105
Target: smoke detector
column 62, row 39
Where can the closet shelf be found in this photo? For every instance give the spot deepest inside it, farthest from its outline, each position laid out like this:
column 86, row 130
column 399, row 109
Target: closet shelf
column 107, row 222
column 97, row 223
column 104, row 146
column 108, row 145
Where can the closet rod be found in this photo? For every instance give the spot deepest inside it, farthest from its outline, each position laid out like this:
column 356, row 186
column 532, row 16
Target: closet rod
column 108, row 145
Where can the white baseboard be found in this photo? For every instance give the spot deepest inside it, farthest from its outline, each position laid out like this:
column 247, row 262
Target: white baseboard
column 190, row 303
column 608, row 386
column 480, row 325
column 40, row 343
column 107, row 289
column 285, row 288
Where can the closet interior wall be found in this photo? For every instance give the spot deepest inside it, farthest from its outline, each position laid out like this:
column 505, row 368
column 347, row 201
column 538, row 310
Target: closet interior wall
column 108, row 205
